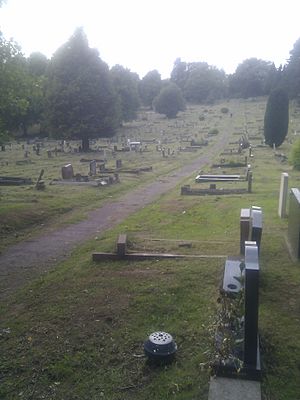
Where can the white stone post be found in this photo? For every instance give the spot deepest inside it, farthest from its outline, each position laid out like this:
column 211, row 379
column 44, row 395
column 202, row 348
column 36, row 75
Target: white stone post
column 283, row 194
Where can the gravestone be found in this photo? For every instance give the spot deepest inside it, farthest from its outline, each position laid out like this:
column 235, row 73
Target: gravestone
column 67, row 171
column 249, row 176
column 93, row 166
column 102, row 167
column 121, row 245
column 251, row 343
column 283, row 194
column 244, row 228
column 118, row 164
column 256, row 225
column 294, row 222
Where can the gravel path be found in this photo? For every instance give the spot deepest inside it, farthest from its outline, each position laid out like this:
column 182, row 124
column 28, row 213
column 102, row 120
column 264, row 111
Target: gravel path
column 26, row 260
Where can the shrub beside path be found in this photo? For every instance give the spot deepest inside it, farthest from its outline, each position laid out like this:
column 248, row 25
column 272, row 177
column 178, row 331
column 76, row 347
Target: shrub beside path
column 22, row 262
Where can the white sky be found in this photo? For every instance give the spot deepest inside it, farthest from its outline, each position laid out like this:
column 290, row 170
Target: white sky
column 143, row 35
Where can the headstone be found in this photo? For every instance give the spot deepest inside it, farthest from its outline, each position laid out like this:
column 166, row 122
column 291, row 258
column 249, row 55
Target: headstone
column 283, row 194
column 249, row 181
column 102, row 167
column 118, row 164
column 121, row 245
column 256, row 225
column 251, row 305
column 294, row 222
column 67, row 171
column 244, row 228
column 93, row 166
column 49, row 153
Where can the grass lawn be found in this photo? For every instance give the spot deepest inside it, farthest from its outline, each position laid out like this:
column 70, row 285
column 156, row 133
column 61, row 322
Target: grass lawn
column 78, row 332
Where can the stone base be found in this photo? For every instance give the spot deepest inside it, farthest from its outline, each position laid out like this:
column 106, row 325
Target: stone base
column 233, row 389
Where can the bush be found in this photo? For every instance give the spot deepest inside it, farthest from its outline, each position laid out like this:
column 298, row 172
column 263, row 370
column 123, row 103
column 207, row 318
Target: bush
column 224, row 110
column 169, row 101
column 213, row 131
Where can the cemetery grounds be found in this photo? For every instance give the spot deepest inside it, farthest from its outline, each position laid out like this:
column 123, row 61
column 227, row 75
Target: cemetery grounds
column 77, row 331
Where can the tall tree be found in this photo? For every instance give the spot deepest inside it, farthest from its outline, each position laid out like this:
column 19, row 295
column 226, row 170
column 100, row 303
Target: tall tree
column 204, row 83
column 292, row 71
column 169, row 101
column 150, row 87
column 253, row 77
column 276, row 120
column 37, row 64
column 179, row 73
column 81, row 101
column 126, row 86
column 14, row 87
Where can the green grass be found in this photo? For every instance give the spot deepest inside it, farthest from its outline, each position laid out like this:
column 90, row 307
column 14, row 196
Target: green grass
column 78, row 331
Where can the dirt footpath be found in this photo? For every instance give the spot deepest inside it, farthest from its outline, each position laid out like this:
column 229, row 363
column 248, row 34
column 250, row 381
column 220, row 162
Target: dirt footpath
column 21, row 263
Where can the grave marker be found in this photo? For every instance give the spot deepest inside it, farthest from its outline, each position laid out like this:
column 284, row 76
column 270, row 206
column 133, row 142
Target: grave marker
column 283, row 194
column 251, row 344
column 294, row 222
column 93, row 166
column 256, row 225
column 67, row 171
column 244, row 228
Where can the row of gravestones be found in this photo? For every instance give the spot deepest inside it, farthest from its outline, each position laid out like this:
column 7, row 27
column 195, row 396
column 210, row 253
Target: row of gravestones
column 242, row 273
column 68, row 173
column 250, row 243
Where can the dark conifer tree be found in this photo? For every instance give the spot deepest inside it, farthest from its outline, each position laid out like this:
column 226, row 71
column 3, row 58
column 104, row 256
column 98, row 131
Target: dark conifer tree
column 276, row 120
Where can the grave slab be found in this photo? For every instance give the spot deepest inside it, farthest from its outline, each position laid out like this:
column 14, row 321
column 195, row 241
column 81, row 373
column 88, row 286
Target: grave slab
column 233, row 389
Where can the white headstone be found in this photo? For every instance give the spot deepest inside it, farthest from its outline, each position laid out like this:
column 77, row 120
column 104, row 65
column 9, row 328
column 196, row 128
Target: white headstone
column 283, row 194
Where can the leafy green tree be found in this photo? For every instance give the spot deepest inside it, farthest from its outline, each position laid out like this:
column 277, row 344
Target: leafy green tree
column 150, row 87
column 276, row 119
column 37, row 64
column 253, row 77
column 179, row 73
column 126, row 86
column 292, row 71
column 204, row 83
column 14, row 86
column 80, row 97
column 169, row 101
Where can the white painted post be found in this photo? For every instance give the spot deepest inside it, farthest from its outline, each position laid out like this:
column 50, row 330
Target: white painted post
column 283, row 194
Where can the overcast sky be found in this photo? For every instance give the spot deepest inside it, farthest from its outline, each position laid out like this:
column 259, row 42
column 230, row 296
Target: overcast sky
column 143, row 35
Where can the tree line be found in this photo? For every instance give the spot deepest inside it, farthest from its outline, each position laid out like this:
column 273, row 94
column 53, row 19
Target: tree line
column 76, row 95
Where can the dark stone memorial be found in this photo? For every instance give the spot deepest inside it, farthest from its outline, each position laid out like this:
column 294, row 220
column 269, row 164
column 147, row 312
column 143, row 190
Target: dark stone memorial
column 67, row 171
column 241, row 276
column 251, row 342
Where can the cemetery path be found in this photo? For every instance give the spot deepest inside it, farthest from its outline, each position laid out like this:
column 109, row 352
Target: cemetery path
column 22, row 262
